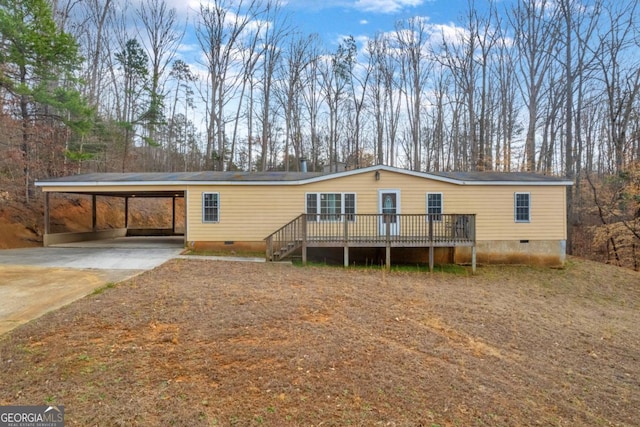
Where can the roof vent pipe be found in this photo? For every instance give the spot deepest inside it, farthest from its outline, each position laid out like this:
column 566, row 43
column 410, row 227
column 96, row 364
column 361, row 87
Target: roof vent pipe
column 303, row 165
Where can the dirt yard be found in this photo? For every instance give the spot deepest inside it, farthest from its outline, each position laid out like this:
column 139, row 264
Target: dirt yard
column 202, row 343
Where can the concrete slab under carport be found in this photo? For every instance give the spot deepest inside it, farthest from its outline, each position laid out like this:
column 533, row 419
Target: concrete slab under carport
column 126, row 253
column 34, row 281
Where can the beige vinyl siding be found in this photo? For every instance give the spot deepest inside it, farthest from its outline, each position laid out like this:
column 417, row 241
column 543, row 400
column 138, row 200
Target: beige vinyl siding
column 252, row 212
column 247, row 213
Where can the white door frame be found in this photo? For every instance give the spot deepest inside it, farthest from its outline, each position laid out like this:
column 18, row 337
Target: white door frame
column 394, row 226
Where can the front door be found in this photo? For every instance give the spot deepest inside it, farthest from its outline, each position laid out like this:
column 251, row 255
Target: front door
column 389, row 201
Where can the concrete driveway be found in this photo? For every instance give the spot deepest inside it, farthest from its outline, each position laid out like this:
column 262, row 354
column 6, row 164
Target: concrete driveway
column 34, row 281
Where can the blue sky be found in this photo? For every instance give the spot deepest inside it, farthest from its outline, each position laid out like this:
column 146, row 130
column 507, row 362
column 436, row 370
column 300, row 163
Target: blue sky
column 334, row 19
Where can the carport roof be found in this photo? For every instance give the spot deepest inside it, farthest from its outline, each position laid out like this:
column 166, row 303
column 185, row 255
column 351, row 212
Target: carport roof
column 159, row 184
column 166, row 177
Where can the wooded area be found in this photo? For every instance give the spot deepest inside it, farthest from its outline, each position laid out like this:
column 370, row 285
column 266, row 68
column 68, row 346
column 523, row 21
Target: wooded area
column 522, row 85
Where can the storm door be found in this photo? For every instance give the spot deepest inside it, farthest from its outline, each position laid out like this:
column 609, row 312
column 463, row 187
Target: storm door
column 389, row 208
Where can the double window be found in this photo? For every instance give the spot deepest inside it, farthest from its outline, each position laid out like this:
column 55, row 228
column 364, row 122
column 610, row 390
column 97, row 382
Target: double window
column 331, row 206
column 522, row 207
column 434, row 205
column 210, row 207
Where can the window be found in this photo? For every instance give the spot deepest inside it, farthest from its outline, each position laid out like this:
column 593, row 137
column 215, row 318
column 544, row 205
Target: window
column 331, row 206
column 210, row 207
column 312, row 206
column 523, row 207
column 434, row 205
column 350, row 206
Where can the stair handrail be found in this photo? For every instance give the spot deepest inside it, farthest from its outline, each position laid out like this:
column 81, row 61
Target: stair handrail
column 292, row 231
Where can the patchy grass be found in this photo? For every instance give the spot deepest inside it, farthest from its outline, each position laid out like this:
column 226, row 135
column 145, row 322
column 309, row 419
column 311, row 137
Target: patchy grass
column 196, row 343
column 101, row 289
column 407, row 268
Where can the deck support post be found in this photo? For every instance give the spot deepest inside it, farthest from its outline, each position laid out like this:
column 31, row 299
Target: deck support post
column 94, row 213
column 304, row 253
column 387, row 220
column 304, row 239
column 269, row 249
column 388, row 257
column 346, row 240
column 431, row 259
column 473, row 258
column 431, row 248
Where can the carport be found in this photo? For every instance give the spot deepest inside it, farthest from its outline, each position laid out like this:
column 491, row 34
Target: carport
column 125, row 186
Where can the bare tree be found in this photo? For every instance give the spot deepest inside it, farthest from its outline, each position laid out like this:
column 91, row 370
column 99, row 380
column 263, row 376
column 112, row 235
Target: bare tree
column 291, row 78
column 272, row 35
column 312, row 99
column 620, row 73
column 505, row 75
column 385, row 96
column 360, row 77
column 249, row 57
column 161, row 40
column 458, row 55
column 532, row 23
column 220, row 28
column 335, row 73
column 376, row 50
column 412, row 36
column 91, row 31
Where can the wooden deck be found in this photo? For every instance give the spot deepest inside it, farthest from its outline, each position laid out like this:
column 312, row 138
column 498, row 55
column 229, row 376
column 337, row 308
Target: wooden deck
column 372, row 230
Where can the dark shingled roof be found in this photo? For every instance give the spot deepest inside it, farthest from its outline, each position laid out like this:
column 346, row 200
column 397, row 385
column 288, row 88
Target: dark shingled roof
column 460, row 178
column 185, row 176
column 498, row 176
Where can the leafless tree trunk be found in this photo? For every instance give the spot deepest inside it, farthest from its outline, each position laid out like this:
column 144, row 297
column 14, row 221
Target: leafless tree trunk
column 220, row 27
column 376, row 51
column 312, row 95
column 535, row 38
column 272, row 35
column 359, row 86
column 161, row 40
column 621, row 77
column 335, row 77
column 297, row 59
column 412, row 36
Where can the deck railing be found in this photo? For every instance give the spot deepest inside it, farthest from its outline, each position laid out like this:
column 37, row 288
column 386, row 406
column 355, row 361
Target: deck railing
column 372, row 230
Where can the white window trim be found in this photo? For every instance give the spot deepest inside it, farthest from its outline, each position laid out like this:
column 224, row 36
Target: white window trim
column 426, row 203
column 342, row 204
column 515, row 207
column 204, row 194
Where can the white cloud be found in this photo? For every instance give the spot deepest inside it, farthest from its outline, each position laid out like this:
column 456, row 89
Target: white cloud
column 386, row 6
column 363, row 22
column 451, row 33
column 375, row 6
